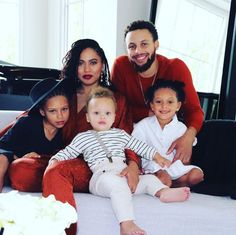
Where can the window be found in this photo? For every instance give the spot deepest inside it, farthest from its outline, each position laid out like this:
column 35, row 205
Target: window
column 88, row 19
column 74, row 21
column 9, row 25
column 195, row 31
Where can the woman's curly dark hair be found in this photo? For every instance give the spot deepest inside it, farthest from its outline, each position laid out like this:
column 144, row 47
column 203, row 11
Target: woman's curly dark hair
column 69, row 71
column 71, row 62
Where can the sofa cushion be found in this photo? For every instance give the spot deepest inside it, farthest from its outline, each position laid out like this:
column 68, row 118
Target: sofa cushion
column 215, row 153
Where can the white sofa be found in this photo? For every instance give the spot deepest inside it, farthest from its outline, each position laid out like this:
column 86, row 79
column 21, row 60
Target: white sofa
column 200, row 215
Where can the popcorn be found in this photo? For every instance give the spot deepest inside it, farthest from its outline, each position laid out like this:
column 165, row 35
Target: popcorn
column 27, row 215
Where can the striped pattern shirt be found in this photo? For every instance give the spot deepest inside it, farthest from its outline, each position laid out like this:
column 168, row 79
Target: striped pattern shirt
column 115, row 140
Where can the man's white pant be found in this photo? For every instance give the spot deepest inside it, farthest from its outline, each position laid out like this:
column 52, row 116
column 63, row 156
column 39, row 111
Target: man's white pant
column 107, row 182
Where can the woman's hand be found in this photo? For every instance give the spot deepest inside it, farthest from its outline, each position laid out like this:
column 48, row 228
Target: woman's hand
column 183, row 146
column 32, row 155
column 131, row 172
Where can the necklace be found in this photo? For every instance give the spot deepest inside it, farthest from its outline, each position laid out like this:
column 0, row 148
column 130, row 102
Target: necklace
column 141, row 87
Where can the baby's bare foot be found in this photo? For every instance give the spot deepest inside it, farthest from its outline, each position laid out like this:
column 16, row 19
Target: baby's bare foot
column 130, row 228
column 174, row 194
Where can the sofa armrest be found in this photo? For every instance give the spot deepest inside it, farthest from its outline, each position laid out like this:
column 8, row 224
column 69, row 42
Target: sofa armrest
column 7, row 116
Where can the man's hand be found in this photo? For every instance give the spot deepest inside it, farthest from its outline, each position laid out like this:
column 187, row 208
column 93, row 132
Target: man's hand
column 183, row 146
column 131, row 172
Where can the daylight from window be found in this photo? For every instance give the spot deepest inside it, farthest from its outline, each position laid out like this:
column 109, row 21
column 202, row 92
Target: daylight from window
column 75, row 21
column 83, row 19
column 196, row 34
column 9, row 25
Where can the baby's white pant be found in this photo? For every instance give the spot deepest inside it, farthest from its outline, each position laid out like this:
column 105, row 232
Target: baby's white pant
column 106, row 182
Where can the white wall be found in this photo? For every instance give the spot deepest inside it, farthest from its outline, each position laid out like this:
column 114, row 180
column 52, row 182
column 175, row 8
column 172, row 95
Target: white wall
column 42, row 29
column 33, row 36
column 128, row 11
column 100, row 19
column 55, row 36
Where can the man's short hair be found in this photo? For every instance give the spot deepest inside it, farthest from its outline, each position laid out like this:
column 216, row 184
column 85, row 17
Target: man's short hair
column 142, row 24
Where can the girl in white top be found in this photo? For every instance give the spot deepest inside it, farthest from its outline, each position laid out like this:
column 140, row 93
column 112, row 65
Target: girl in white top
column 103, row 150
column 162, row 129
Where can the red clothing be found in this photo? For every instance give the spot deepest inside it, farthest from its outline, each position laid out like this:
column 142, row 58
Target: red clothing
column 73, row 175
column 26, row 174
column 66, row 177
column 126, row 80
column 33, row 169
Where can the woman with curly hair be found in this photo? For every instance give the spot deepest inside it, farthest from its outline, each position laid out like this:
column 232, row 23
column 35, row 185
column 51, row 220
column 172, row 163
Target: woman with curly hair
column 87, row 67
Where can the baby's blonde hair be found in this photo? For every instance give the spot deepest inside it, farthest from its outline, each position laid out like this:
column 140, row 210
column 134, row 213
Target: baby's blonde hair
column 101, row 92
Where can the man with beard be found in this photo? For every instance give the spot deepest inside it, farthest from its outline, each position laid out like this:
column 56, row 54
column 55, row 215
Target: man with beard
column 133, row 74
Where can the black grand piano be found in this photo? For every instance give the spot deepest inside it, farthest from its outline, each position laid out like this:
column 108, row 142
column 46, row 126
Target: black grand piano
column 16, row 83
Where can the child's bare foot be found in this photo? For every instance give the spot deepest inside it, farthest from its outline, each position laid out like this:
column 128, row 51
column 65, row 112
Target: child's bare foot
column 130, row 228
column 174, row 194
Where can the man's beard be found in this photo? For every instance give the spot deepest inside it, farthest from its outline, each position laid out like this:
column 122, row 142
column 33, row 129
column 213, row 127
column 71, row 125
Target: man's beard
column 146, row 66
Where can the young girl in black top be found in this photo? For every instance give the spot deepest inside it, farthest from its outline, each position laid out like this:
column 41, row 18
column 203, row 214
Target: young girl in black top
column 36, row 136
